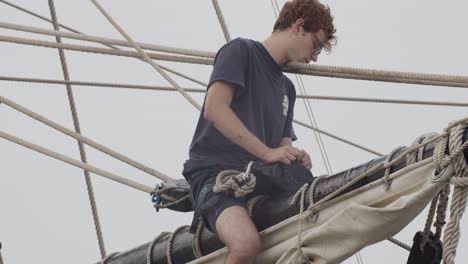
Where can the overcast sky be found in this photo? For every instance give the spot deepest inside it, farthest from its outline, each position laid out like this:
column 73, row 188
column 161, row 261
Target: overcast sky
column 45, row 215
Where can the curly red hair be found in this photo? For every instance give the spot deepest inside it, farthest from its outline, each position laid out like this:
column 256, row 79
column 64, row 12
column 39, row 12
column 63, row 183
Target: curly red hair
column 316, row 17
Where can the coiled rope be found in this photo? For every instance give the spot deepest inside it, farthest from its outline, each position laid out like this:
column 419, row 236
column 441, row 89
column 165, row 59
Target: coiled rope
column 235, row 183
column 449, row 155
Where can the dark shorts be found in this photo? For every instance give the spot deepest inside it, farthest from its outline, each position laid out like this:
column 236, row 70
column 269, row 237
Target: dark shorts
column 280, row 180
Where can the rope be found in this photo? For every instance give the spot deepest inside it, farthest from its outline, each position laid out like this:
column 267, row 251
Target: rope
column 377, row 75
column 108, row 257
column 235, row 183
column 171, row 241
column 35, row 14
column 197, row 252
column 116, row 52
column 441, row 211
column 197, row 90
column 108, row 41
column 85, row 140
column 146, row 57
column 313, row 122
column 460, row 180
column 171, row 204
column 76, row 163
column 341, row 72
column 300, row 194
column 71, row 100
column 149, row 252
column 427, row 227
column 149, row 46
column 221, row 20
column 386, row 178
column 252, row 203
column 299, row 68
column 399, row 243
column 174, row 50
column 339, row 138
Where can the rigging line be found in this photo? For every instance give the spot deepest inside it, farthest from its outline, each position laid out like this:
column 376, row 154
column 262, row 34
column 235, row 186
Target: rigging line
column 222, row 23
column 76, row 123
column 339, row 138
column 423, row 79
column 321, row 70
column 76, row 163
column 116, row 52
column 35, row 15
column 85, row 140
column 274, row 9
column 316, row 125
column 197, row 90
column 312, row 121
column 146, row 57
column 105, row 41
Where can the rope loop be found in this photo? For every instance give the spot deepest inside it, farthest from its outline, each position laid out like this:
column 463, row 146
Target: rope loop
column 235, row 183
column 386, row 178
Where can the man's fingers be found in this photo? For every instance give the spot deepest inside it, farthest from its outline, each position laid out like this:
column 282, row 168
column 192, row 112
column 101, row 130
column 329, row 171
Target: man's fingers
column 290, row 156
column 285, row 161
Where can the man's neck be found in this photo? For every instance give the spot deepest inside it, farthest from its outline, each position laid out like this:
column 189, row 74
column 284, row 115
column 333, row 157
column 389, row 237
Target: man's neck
column 275, row 45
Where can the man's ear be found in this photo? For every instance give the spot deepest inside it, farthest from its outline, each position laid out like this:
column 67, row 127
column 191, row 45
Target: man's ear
column 298, row 25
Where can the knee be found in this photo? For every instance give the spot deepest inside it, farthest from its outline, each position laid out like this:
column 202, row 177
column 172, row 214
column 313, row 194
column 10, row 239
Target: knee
column 247, row 247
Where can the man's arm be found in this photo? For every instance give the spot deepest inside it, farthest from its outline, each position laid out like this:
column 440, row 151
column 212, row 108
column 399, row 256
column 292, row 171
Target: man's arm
column 286, row 141
column 218, row 111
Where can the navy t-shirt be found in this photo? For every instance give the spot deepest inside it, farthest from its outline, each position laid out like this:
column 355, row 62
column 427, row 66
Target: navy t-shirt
column 263, row 100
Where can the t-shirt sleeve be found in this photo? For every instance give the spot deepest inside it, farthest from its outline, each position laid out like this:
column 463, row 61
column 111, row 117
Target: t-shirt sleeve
column 288, row 129
column 231, row 64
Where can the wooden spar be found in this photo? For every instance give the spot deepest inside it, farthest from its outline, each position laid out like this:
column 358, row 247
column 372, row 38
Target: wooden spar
column 271, row 212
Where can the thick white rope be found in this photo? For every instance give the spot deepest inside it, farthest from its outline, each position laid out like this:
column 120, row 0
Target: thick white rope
column 85, row 140
column 76, row 163
column 108, row 41
column 146, row 57
column 300, row 68
column 76, row 123
column 342, row 72
column 116, row 52
column 222, row 23
column 460, row 193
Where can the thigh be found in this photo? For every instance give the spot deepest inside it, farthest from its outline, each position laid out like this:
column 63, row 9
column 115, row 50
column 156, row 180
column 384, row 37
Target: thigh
column 234, row 225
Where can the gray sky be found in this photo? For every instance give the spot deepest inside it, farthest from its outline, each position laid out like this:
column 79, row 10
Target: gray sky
column 44, row 209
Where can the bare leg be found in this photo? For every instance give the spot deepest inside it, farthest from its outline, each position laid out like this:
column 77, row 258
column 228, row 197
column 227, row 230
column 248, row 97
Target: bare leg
column 238, row 232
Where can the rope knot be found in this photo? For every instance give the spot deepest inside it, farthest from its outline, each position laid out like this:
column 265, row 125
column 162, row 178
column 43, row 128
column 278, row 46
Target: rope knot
column 235, row 183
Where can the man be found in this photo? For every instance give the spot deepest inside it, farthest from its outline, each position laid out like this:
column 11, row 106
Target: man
column 247, row 116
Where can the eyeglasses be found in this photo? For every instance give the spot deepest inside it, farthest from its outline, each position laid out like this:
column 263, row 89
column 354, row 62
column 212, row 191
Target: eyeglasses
column 319, row 46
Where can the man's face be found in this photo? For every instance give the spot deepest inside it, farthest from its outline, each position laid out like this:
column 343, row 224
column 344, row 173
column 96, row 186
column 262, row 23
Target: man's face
column 307, row 46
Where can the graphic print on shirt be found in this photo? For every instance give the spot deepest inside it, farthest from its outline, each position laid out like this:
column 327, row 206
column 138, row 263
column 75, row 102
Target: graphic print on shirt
column 285, row 105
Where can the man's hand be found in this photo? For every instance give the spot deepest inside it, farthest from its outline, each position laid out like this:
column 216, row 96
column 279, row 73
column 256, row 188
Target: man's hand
column 284, row 154
column 304, row 159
